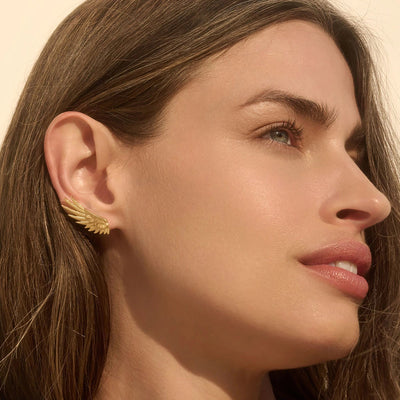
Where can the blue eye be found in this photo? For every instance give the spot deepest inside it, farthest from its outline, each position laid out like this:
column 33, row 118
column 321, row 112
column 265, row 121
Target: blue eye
column 285, row 133
column 279, row 135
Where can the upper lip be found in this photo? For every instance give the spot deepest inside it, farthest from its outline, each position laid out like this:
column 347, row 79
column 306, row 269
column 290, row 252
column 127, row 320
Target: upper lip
column 355, row 252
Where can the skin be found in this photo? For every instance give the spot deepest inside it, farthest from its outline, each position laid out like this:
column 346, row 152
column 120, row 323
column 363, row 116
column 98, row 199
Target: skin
column 210, row 220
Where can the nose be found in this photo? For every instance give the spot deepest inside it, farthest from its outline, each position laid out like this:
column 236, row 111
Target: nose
column 353, row 199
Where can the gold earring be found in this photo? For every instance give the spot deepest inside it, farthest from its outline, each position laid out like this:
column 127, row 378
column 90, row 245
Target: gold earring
column 83, row 216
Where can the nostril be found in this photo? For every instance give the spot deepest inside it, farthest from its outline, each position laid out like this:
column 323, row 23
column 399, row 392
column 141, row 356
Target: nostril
column 352, row 214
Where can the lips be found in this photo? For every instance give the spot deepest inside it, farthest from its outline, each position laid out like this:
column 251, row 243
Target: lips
column 352, row 251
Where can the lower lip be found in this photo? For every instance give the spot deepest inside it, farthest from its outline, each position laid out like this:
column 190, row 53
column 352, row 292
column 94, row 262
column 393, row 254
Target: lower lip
column 351, row 284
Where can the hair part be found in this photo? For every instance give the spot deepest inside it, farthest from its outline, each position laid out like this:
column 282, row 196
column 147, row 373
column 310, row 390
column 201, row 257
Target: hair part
column 121, row 62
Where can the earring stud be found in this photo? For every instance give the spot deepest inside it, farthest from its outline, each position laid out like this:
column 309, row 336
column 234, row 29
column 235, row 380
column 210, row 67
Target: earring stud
column 83, row 216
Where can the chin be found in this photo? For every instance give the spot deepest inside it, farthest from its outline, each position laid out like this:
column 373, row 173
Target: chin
column 340, row 346
column 318, row 353
column 332, row 344
column 321, row 342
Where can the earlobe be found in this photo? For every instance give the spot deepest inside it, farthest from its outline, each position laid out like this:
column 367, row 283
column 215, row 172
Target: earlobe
column 79, row 151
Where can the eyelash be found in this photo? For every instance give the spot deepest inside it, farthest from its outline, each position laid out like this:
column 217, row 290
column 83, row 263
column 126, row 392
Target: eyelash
column 295, row 132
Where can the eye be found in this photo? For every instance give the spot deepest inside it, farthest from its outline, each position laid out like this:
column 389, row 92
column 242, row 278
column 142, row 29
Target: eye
column 285, row 133
column 280, row 135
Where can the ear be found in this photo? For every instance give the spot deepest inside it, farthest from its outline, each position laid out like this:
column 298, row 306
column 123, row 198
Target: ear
column 80, row 152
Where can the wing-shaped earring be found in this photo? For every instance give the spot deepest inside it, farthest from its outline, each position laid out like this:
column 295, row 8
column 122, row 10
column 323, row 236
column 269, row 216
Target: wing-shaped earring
column 83, row 216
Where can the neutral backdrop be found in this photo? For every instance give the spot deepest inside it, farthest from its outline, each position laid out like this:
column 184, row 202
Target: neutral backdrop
column 25, row 26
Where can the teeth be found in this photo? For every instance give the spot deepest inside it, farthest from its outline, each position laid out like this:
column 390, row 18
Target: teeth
column 348, row 266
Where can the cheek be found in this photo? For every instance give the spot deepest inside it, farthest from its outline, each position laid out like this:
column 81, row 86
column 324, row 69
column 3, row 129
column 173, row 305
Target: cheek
column 225, row 198
column 215, row 209
column 220, row 213
column 216, row 229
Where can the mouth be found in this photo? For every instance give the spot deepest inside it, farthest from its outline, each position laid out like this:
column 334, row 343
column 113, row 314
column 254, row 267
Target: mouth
column 346, row 265
column 352, row 256
column 347, row 282
column 343, row 265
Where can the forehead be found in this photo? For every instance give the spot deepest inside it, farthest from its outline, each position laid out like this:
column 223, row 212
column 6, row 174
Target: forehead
column 296, row 56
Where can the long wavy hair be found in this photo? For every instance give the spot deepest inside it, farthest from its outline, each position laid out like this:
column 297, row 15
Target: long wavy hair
column 120, row 62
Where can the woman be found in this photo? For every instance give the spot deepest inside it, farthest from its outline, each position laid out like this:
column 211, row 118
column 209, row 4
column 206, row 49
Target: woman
column 232, row 173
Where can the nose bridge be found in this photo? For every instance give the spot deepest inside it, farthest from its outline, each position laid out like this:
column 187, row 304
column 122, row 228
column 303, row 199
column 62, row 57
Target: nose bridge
column 353, row 198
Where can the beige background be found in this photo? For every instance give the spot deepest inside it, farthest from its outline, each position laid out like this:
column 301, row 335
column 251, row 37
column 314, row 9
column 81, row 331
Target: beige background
column 25, row 25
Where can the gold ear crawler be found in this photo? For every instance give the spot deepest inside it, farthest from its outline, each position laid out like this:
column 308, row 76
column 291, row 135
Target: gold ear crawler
column 83, row 216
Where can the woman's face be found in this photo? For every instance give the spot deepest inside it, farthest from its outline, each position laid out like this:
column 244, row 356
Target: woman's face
column 221, row 208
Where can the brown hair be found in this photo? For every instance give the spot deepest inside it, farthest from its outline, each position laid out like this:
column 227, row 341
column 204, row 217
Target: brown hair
column 120, row 62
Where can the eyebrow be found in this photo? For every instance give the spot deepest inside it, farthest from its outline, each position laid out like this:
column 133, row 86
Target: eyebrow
column 309, row 109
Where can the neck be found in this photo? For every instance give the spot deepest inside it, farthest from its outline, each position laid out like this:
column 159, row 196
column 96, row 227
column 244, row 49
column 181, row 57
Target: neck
column 149, row 359
column 142, row 374
column 144, row 369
